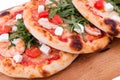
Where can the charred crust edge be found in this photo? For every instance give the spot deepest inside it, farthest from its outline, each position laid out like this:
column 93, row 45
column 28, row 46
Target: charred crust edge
column 4, row 13
column 76, row 43
column 112, row 25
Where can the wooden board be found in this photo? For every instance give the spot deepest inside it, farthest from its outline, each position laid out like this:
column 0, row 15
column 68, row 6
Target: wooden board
column 97, row 66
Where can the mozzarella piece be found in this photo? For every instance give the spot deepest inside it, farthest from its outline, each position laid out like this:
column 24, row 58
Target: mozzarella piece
column 18, row 58
column 58, row 31
column 80, row 30
column 4, row 37
column 108, row 7
column 18, row 16
column 47, row 2
column 15, row 41
column 45, row 49
column 41, row 8
column 116, row 18
column 14, row 28
column 44, row 22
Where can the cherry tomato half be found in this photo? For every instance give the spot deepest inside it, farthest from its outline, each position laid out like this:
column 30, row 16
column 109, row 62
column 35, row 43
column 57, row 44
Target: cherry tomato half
column 33, row 52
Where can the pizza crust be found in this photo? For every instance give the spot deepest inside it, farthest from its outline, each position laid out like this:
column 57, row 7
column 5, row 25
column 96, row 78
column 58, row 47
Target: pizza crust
column 100, row 19
column 12, row 69
column 75, row 43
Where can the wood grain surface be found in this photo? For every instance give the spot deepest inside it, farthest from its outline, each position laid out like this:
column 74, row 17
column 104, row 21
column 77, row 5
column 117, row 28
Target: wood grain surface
column 97, row 66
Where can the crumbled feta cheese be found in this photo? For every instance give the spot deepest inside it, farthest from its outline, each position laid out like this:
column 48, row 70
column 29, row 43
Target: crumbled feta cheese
column 45, row 49
column 41, row 8
column 18, row 58
column 44, row 22
column 14, row 28
column 4, row 37
column 18, row 16
column 115, row 17
column 15, row 41
column 58, row 31
column 47, row 2
column 108, row 7
column 80, row 30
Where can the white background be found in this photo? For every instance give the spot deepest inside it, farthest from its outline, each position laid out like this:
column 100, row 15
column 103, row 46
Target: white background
column 5, row 4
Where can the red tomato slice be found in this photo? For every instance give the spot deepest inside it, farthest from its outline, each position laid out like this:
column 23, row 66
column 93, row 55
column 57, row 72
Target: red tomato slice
column 99, row 4
column 33, row 52
column 56, row 20
column 43, row 14
column 5, row 29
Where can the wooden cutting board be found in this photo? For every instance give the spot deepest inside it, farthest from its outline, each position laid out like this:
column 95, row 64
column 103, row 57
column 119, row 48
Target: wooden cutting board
column 98, row 66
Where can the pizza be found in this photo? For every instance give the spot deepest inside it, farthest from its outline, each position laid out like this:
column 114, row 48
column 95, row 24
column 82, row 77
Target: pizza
column 24, row 56
column 60, row 25
column 104, row 14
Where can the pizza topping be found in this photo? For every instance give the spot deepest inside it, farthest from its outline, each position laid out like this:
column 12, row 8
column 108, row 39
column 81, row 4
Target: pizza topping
column 15, row 41
column 41, row 8
column 14, row 28
column 43, row 14
column 45, row 49
column 18, row 58
column 4, row 37
column 108, row 7
column 19, row 16
column 115, row 4
column 48, row 2
column 44, row 22
column 33, row 52
column 23, row 33
column 92, row 30
column 5, row 29
column 80, row 29
column 99, row 4
column 57, row 20
column 58, row 31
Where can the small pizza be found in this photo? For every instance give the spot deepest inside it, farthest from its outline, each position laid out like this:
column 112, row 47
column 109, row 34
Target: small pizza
column 22, row 55
column 104, row 14
column 60, row 25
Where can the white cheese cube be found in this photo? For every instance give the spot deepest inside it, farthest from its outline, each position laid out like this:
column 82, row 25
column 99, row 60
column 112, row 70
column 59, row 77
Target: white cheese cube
column 47, row 2
column 19, row 16
column 15, row 41
column 79, row 30
column 108, row 7
column 116, row 18
column 14, row 28
column 41, row 8
column 4, row 37
column 45, row 49
column 18, row 58
column 58, row 31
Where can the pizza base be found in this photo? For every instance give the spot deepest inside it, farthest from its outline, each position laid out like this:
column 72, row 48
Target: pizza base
column 10, row 68
column 73, row 46
column 100, row 19
column 38, row 70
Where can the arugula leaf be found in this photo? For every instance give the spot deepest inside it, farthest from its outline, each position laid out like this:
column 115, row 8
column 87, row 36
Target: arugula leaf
column 23, row 33
column 68, row 13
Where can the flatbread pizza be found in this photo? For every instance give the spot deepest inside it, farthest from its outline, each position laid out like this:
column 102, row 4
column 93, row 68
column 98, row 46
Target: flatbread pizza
column 104, row 14
column 59, row 24
column 22, row 55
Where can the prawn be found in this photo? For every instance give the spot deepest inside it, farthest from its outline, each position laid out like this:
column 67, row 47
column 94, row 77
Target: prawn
column 7, row 51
